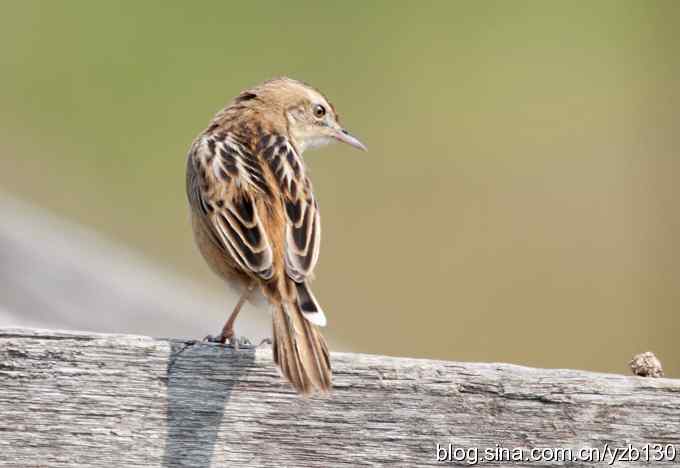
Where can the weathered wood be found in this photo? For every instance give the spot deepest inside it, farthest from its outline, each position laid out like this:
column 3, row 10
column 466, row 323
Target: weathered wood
column 56, row 274
column 73, row 399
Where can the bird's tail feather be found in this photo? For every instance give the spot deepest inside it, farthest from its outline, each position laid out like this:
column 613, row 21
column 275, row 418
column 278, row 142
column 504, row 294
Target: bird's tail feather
column 300, row 350
column 311, row 310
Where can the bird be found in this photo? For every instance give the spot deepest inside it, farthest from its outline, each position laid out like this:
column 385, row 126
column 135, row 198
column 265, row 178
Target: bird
column 255, row 218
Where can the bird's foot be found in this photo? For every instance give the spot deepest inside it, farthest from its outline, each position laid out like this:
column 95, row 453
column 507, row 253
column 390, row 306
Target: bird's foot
column 233, row 341
column 238, row 342
column 265, row 342
column 213, row 339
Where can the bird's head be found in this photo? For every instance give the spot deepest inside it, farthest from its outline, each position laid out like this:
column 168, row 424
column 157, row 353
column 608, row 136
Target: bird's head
column 310, row 120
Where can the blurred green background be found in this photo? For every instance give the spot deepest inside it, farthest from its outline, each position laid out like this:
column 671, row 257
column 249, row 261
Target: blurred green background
column 519, row 200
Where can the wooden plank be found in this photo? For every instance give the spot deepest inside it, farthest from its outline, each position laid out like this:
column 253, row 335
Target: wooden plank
column 75, row 399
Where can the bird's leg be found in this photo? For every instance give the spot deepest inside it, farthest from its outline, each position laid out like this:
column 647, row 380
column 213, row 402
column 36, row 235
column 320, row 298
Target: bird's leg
column 228, row 334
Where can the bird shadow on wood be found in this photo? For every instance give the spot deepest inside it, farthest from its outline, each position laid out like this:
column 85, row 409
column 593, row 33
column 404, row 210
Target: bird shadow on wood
column 200, row 381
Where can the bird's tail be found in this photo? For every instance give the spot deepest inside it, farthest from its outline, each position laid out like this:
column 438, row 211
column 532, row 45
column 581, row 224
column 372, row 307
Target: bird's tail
column 300, row 350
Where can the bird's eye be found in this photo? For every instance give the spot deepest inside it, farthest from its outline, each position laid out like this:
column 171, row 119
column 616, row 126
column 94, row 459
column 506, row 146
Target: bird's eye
column 319, row 111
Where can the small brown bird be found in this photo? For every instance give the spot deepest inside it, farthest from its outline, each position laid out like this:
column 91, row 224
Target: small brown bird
column 255, row 218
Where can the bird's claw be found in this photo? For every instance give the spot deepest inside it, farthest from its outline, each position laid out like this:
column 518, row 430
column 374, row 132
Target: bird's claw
column 235, row 342
column 238, row 342
column 213, row 339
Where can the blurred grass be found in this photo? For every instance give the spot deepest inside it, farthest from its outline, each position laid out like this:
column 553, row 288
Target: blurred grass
column 518, row 202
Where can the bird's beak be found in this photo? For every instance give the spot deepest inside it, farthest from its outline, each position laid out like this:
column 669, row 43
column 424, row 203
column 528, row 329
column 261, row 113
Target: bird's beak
column 343, row 135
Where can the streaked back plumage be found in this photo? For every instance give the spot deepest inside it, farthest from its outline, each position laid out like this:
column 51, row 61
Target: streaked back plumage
column 254, row 209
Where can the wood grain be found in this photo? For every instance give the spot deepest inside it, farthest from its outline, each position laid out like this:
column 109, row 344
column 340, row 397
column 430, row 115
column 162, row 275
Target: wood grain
column 77, row 399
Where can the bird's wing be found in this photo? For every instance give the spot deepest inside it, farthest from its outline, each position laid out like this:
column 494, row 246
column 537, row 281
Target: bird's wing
column 226, row 179
column 303, row 225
